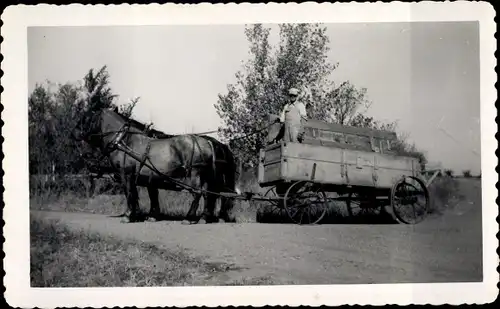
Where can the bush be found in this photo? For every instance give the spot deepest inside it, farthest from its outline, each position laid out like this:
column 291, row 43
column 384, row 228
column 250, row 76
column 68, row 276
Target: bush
column 78, row 185
column 467, row 174
column 444, row 191
column 402, row 148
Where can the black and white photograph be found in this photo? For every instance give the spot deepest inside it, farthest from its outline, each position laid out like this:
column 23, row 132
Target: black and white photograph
column 250, row 155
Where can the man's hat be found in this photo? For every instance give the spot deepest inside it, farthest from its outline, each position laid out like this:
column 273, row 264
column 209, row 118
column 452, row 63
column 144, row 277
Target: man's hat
column 293, row 91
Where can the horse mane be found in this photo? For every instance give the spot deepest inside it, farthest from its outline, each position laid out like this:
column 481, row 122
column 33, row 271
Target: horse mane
column 141, row 126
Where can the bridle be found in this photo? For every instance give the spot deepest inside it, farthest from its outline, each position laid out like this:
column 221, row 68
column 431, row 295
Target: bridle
column 107, row 146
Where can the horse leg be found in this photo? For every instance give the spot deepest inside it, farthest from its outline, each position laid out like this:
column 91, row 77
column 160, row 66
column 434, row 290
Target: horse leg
column 124, row 185
column 154, row 210
column 208, row 210
column 191, row 215
column 132, row 199
column 126, row 192
column 225, row 206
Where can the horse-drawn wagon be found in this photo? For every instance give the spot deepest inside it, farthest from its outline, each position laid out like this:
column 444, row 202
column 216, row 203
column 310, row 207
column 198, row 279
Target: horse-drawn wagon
column 358, row 165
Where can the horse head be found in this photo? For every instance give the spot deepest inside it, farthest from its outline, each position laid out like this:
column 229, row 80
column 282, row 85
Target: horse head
column 99, row 125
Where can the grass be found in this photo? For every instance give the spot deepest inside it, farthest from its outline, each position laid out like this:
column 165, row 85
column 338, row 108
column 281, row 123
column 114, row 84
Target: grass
column 262, row 280
column 444, row 192
column 64, row 258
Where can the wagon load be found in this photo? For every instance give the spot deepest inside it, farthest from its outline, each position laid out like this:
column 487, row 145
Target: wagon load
column 340, row 136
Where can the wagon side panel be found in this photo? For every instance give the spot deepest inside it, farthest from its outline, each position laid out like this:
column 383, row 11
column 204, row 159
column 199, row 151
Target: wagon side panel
column 329, row 165
column 310, row 162
column 389, row 169
column 270, row 165
column 360, row 168
column 343, row 166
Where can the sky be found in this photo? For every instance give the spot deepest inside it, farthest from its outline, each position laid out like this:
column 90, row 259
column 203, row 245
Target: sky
column 425, row 76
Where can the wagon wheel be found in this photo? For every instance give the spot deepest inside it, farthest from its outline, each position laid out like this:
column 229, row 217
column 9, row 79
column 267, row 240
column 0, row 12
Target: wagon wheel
column 362, row 205
column 275, row 206
column 305, row 202
column 410, row 200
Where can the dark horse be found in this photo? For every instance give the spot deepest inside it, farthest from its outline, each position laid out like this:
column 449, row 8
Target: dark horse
column 201, row 164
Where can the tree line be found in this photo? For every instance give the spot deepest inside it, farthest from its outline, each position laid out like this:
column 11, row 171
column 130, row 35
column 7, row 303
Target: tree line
column 54, row 111
column 299, row 60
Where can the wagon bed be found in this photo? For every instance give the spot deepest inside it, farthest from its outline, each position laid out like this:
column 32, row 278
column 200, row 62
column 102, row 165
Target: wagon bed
column 332, row 166
column 360, row 165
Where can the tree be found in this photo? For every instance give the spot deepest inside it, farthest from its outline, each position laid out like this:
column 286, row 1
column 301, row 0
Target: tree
column 41, row 130
column 126, row 109
column 54, row 114
column 300, row 60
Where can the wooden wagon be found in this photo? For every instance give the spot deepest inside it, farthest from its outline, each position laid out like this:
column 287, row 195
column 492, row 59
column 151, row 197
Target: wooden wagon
column 358, row 166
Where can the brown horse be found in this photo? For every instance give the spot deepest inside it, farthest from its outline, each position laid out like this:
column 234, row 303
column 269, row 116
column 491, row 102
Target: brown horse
column 199, row 164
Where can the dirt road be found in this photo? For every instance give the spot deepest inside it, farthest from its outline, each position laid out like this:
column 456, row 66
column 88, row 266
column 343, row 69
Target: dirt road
column 441, row 249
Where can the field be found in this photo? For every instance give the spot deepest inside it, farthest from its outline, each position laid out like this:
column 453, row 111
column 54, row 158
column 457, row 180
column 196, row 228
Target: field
column 75, row 237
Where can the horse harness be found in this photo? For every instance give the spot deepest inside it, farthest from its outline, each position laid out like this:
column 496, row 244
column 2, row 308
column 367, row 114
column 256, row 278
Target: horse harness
column 117, row 144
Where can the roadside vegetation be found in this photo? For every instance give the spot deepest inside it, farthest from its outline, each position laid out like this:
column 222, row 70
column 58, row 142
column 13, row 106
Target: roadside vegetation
column 61, row 257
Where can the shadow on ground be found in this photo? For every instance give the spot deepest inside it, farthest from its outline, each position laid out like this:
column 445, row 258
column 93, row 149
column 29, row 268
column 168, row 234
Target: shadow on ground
column 331, row 217
column 281, row 217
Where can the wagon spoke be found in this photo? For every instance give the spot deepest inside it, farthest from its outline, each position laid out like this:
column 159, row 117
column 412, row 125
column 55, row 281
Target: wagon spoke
column 300, row 197
column 301, row 216
column 272, row 210
column 295, row 213
column 414, row 212
column 406, row 197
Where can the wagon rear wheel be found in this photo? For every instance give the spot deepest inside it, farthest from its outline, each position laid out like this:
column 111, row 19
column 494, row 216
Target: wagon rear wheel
column 305, row 202
column 410, row 200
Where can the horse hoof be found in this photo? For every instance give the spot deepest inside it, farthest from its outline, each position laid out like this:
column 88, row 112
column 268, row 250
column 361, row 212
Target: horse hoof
column 202, row 221
column 222, row 220
column 125, row 220
column 151, row 219
column 185, row 222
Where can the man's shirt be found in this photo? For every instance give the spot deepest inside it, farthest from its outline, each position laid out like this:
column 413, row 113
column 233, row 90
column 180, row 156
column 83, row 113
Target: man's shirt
column 288, row 107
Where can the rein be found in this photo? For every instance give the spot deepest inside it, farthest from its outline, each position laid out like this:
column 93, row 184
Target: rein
column 147, row 163
column 240, row 137
column 117, row 144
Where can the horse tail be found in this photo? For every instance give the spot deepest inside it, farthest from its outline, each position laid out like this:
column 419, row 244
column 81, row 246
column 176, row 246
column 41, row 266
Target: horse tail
column 230, row 180
column 231, row 171
column 227, row 173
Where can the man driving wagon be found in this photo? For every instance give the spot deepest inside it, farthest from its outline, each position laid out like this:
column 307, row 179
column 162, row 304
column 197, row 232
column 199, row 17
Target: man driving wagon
column 293, row 117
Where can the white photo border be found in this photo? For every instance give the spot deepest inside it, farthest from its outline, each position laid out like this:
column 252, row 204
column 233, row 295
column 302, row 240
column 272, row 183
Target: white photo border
column 16, row 19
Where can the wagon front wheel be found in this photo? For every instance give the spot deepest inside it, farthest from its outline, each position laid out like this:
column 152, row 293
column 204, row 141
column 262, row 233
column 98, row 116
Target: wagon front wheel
column 410, row 200
column 274, row 209
column 305, row 202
